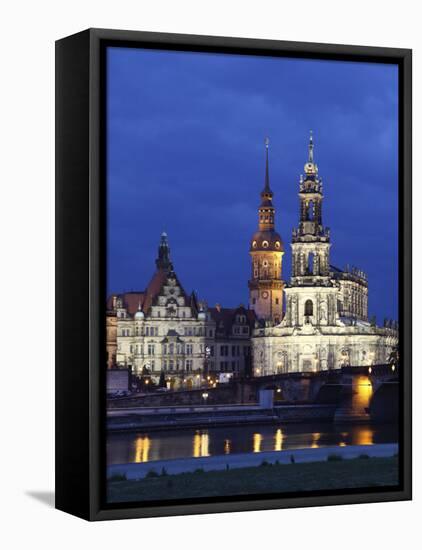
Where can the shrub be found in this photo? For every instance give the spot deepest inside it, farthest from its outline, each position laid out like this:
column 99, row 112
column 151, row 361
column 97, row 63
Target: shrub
column 118, row 476
column 334, row 457
column 199, row 471
column 265, row 463
column 151, row 473
column 163, row 471
column 364, row 455
column 292, row 459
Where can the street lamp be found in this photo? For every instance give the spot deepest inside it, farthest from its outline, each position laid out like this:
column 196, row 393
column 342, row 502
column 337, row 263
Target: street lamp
column 205, row 397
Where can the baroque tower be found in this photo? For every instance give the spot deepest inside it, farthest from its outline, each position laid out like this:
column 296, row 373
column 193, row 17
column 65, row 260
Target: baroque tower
column 311, row 296
column 266, row 250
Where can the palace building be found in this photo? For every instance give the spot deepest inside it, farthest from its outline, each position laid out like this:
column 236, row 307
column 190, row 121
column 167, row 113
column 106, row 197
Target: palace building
column 325, row 324
column 165, row 332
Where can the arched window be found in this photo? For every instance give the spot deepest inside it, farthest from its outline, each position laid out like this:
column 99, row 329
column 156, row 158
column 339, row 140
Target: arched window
column 309, row 308
column 309, row 212
column 310, row 266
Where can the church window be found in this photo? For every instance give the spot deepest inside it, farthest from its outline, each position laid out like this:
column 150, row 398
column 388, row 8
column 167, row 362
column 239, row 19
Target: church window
column 254, row 244
column 265, row 244
column 310, row 266
column 277, row 244
column 309, row 308
column 277, row 301
column 309, row 212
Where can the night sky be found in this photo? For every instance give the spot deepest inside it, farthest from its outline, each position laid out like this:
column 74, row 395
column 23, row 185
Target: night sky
column 186, row 155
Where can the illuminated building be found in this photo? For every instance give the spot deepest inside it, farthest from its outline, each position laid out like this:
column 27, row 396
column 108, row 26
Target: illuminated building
column 325, row 324
column 165, row 331
column 266, row 251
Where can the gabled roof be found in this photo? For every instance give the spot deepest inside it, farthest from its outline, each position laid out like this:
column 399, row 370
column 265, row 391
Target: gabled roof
column 154, row 288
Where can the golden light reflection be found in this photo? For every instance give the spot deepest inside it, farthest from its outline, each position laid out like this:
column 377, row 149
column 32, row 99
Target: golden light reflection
column 365, row 437
column 227, row 446
column 278, row 440
column 257, row 440
column 315, row 440
column 342, row 444
column 142, row 448
column 200, row 445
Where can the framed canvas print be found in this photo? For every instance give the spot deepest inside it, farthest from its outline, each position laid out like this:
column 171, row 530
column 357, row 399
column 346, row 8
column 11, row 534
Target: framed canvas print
column 233, row 274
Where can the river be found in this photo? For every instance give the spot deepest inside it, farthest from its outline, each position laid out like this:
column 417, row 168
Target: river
column 144, row 446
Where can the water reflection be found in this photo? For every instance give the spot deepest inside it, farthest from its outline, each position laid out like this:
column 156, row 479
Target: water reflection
column 278, row 440
column 171, row 444
column 142, row 447
column 315, row 440
column 200, row 444
column 257, row 440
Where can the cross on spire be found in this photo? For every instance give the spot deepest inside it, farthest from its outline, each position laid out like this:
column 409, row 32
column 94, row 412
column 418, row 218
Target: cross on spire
column 267, row 173
column 311, row 147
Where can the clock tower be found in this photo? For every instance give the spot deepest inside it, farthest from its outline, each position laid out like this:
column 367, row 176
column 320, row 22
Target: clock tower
column 266, row 250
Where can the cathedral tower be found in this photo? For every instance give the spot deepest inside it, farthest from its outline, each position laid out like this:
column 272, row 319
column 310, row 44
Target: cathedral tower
column 266, row 250
column 311, row 297
column 311, row 240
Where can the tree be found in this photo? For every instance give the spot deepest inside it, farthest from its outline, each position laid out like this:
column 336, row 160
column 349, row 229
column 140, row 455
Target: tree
column 162, row 382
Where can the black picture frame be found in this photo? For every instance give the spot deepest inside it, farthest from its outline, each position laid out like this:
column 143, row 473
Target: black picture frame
column 80, row 269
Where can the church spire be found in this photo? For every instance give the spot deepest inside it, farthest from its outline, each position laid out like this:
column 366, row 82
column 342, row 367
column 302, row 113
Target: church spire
column 311, row 148
column 163, row 260
column 266, row 209
column 267, row 172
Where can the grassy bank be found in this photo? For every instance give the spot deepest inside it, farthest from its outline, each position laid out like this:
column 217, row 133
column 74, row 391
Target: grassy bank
column 278, row 478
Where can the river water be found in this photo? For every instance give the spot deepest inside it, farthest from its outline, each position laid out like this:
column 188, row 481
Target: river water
column 128, row 447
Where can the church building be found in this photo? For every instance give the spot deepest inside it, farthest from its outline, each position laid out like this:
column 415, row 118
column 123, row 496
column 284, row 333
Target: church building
column 325, row 324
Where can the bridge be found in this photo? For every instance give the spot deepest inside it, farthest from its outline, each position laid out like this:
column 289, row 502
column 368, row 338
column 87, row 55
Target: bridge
column 357, row 393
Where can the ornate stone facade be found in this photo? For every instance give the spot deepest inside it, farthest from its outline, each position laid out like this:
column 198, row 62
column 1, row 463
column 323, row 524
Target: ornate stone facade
column 164, row 333
column 326, row 320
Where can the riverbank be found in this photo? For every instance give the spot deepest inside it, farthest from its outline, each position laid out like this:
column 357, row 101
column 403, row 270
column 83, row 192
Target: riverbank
column 331, row 474
column 159, row 418
column 243, row 460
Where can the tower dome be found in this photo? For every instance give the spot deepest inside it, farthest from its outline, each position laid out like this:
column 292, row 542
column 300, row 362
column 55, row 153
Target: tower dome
column 139, row 315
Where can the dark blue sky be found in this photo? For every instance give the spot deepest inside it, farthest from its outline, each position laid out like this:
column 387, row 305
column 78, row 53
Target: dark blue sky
column 186, row 155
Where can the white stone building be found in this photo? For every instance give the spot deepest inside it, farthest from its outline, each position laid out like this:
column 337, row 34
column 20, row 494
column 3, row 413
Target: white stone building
column 164, row 332
column 326, row 323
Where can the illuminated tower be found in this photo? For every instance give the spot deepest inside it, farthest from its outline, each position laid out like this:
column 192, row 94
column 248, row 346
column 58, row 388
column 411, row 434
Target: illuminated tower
column 311, row 296
column 266, row 250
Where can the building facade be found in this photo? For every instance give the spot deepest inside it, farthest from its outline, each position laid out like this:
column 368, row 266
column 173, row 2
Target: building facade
column 326, row 323
column 168, row 335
